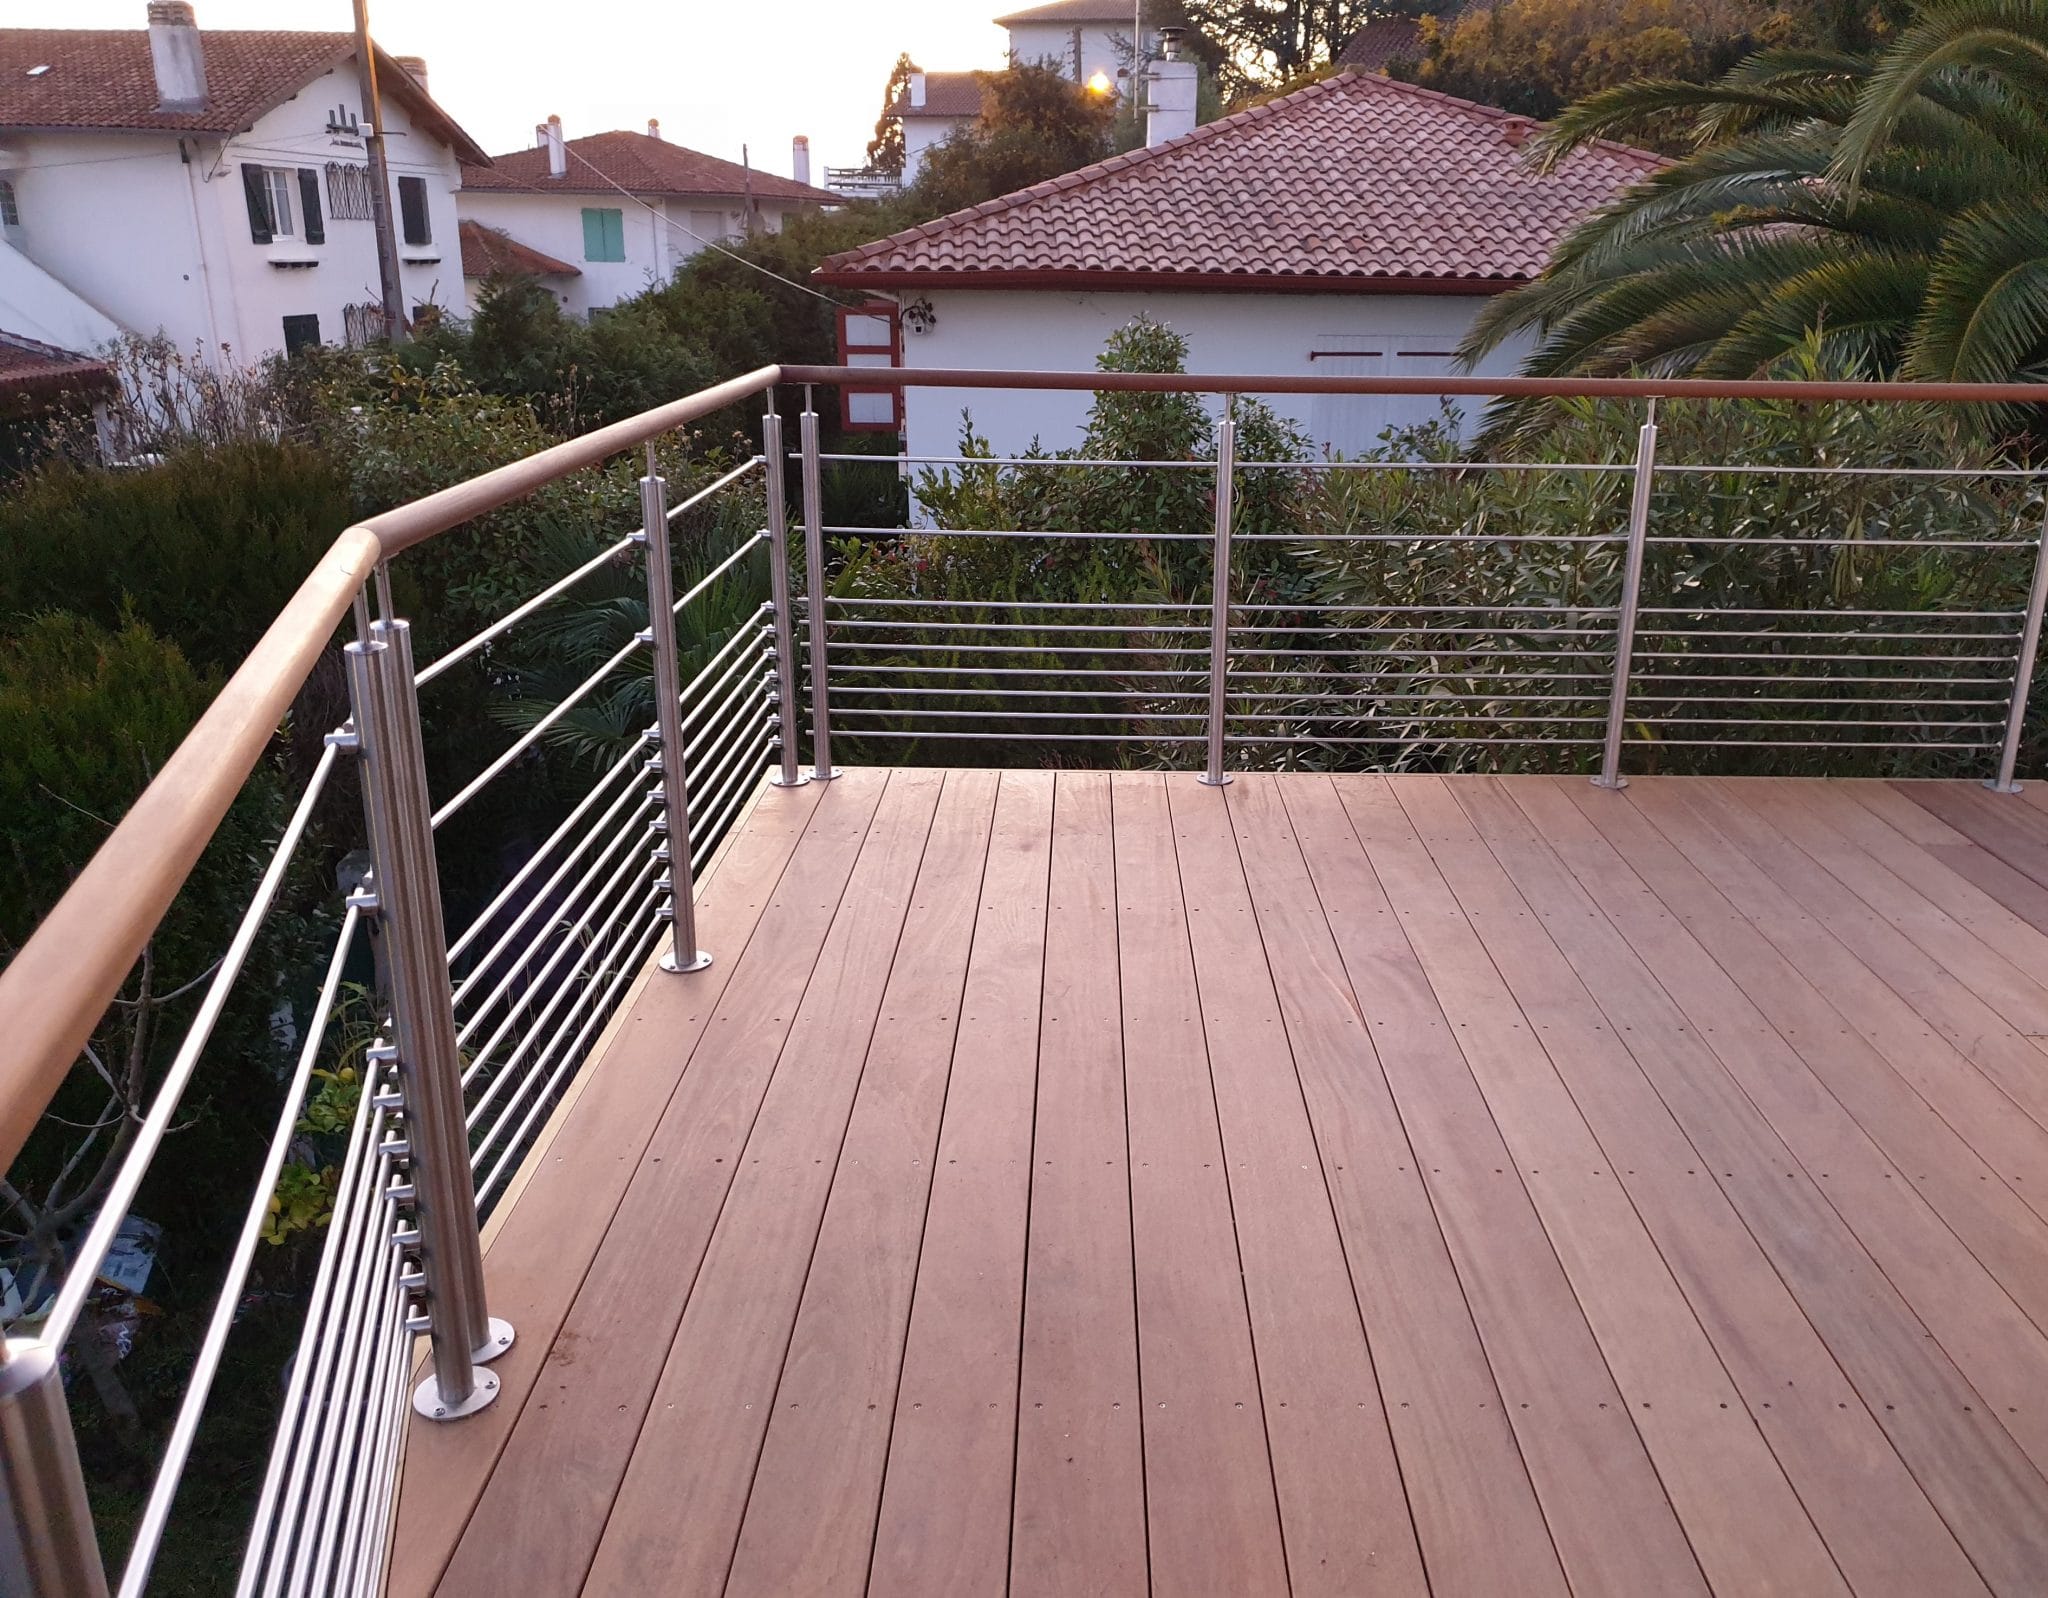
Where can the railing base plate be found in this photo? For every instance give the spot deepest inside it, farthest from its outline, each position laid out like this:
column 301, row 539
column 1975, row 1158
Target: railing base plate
column 428, row 1403
column 1208, row 781
column 670, row 963
column 823, row 774
column 498, row 1342
column 1611, row 784
column 780, row 781
column 2003, row 787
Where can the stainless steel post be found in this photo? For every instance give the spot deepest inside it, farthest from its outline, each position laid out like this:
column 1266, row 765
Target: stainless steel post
column 2023, row 670
column 47, row 1545
column 814, row 589
column 673, row 819
column 434, row 1148
column 786, row 720
column 1631, row 601
column 1219, row 599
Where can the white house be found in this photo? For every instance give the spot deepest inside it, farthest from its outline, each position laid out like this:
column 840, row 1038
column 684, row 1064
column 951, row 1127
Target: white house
column 213, row 186
column 623, row 210
column 1088, row 41
column 1351, row 228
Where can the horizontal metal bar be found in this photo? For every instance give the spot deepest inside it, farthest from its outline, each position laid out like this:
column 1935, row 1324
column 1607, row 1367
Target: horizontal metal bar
column 1014, row 532
column 843, row 624
column 1834, row 540
column 2016, row 472
column 85, row 1263
column 1006, row 461
column 1018, row 737
column 717, row 486
column 506, row 623
column 1347, row 740
column 837, row 601
column 1800, row 721
column 703, row 584
column 1879, row 615
column 1895, row 745
column 1778, row 699
column 1037, row 715
column 1826, row 633
column 1801, row 658
column 1620, row 537
column 720, row 816
column 534, row 734
column 744, row 661
column 1849, row 681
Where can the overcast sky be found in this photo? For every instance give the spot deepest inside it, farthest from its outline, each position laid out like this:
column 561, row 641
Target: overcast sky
column 718, row 73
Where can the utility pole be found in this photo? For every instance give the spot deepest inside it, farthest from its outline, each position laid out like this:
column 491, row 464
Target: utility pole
column 747, row 167
column 380, row 180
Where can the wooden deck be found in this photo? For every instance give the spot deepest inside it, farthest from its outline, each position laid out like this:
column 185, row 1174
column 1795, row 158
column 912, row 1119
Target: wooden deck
column 1099, row 1184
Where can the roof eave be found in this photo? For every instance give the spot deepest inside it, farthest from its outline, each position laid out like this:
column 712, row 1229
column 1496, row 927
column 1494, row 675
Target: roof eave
column 1193, row 282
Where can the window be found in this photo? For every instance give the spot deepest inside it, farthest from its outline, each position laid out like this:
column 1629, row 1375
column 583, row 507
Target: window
column 348, row 192
column 412, row 211
column 278, row 186
column 869, row 335
column 274, row 211
column 10, row 212
column 604, row 234
column 301, row 333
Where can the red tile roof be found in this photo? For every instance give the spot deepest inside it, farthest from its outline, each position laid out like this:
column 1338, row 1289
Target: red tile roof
column 32, row 372
column 491, row 249
column 102, row 78
column 946, row 94
column 603, row 163
column 1354, row 183
column 1380, row 41
column 1072, row 11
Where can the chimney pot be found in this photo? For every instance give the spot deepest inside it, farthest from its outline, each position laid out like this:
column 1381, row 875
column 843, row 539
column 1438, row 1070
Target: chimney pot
column 917, row 90
column 1170, row 41
column 800, row 159
column 177, row 56
column 414, row 67
column 654, row 127
column 558, row 150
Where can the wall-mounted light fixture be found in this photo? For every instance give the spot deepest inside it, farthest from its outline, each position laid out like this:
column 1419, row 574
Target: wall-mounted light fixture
column 919, row 317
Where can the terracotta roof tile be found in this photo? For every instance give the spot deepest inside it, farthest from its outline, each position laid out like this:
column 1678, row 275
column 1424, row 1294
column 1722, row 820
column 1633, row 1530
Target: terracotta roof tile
column 1358, row 181
column 29, row 370
column 102, row 78
column 1072, row 11
column 490, row 249
column 946, row 94
column 1380, row 41
column 639, row 164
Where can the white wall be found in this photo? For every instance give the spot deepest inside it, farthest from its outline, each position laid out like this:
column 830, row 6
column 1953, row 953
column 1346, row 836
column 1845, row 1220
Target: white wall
column 920, row 134
column 156, row 234
column 1034, row 42
column 35, row 305
column 658, row 240
column 1324, row 334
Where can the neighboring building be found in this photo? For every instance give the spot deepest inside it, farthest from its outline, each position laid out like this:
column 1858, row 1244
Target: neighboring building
column 489, row 252
column 1382, row 41
column 627, row 208
column 213, row 187
column 1088, row 41
column 1351, row 228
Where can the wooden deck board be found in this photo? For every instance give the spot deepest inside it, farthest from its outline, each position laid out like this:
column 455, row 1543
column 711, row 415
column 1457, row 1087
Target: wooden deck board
column 1071, row 1183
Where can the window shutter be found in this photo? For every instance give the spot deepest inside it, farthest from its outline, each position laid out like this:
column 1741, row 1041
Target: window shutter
column 309, row 202
column 593, row 234
column 870, row 335
column 615, row 235
column 254, row 192
column 412, row 207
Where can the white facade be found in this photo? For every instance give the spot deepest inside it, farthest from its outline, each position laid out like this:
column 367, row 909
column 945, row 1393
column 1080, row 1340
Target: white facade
column 153, row 230
column 920, row 134
column 1328, row 335
column 1079, row 50
column 660, row 234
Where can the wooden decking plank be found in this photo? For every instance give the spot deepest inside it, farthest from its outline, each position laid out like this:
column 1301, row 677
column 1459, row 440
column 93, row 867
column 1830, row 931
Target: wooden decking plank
column 2014, row 993
column 1584, row 1452
column 1477, row 1513
column 1984, row 1331
column 1080, row 1507
column 1213, row 1522
column 1741, row 1515
column 1745, row 849
column 2014, row 831
column 1884, row 1533
column 544, row 1238
column 1974, row 1473
column 1344, row 1513
column 810, row 1518
column 677, row 1513
column 944, row 1525
column 1972, row 1197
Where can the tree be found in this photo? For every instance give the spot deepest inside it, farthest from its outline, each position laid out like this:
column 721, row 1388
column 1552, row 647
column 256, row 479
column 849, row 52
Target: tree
column 1034, row 124
column 1896, row 206
column 1265, row 42
column 885, row 149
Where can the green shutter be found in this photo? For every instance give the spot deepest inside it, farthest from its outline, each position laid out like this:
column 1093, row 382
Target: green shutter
column 593, row 234
column 615, row 234
column 309, row 203
column 258, row 197
column 604, row 234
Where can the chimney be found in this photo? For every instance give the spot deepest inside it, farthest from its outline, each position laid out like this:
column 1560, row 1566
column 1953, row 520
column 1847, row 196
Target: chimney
column 540, row 135
column 654, row 127
column 1170, row 111
column 558, row 152
column 415, row 67
column 800, row 159
column 177, row 55
column 917, row 90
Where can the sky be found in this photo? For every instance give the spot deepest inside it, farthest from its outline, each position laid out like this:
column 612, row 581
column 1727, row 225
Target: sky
column 718, row 74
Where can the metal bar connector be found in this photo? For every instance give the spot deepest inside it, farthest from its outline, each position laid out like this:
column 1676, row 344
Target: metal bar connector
column 814, row 588
column 790, row 772
column 1631, row 602
column 47, row 1545
column 437, row 1187
column 667, row 761
column 2023, row 670
column 1219, row 600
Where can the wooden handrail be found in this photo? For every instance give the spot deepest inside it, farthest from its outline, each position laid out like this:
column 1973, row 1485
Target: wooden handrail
column 54, row 991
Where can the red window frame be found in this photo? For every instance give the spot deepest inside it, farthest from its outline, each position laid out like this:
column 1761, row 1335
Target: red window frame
column 868, row 353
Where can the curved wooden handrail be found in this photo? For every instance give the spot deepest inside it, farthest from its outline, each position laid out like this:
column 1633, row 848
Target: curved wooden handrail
column 54, row 991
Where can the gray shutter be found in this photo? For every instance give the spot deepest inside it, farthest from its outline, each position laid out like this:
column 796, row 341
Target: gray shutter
column 309, row 202
column 258, row 196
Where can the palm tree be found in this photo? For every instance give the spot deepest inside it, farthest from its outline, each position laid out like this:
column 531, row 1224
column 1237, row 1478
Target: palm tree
column 1895, row 206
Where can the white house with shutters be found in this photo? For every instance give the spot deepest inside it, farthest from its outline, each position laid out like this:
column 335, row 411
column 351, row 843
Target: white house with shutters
column 213, row 186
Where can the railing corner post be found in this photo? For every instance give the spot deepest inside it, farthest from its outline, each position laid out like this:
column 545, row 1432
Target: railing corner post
column 680, row 907
column 2023, row 670
column 789, row 773
column 814, row 588
column 437, row 1184
column 1213, row 774
column 47, row 1545
column 1610, row 776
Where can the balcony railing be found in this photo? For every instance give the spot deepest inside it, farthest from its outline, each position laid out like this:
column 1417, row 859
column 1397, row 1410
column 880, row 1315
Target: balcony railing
column 480, row 1031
